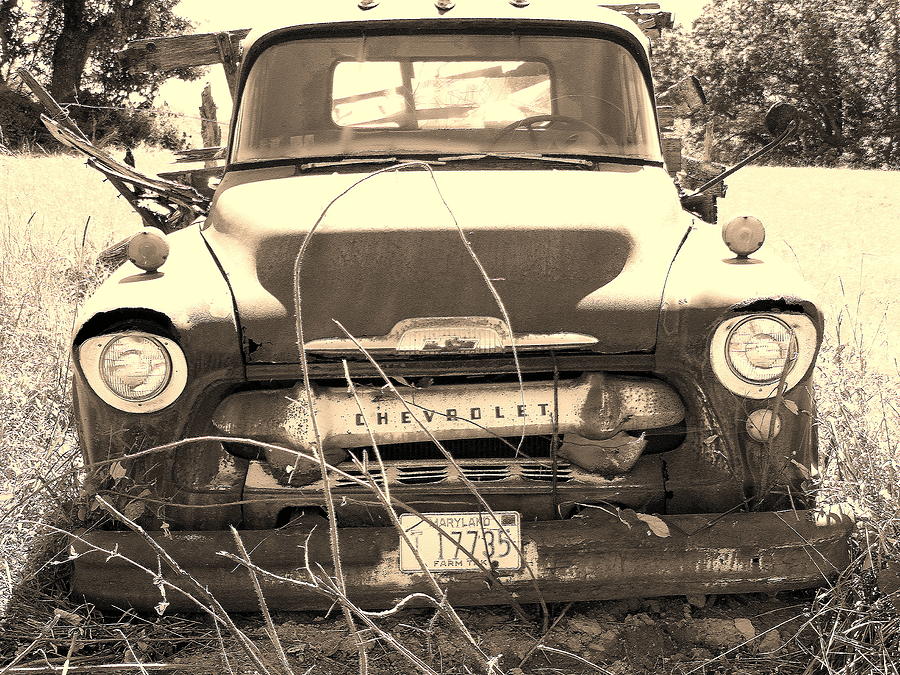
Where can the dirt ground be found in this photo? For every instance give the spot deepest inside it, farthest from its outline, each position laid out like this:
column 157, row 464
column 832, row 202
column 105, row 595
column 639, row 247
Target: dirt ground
column 668, row 635
column 740, row 634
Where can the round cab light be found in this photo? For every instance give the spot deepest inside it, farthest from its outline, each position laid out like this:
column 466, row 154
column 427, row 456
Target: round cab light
column 148, row 249
column 744, row 235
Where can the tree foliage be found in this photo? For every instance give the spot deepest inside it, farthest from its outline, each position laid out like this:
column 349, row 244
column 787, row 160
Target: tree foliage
column 838, row 61
column 71, row 46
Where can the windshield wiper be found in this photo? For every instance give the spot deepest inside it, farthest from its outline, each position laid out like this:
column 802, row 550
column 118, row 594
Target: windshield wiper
column 474, row 157
column 364, row 160
column 517, row 156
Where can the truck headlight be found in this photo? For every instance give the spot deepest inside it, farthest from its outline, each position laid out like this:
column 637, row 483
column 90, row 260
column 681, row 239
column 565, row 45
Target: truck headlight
column 134, row 371
column 759, row 348
column 750, row 353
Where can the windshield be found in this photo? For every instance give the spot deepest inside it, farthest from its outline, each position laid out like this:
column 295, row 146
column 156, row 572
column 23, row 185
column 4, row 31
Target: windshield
column 445, row 95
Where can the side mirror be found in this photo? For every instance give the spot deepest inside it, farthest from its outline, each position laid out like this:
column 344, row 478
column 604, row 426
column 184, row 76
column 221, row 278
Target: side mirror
column 781, row 117
column 781, row 121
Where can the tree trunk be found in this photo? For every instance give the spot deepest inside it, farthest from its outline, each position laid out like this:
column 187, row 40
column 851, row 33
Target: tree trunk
column 894, row 147
column 71, row 51
column 7, row 7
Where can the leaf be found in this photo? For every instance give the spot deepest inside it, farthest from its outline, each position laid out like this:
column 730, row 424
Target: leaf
column 803, row 470
column 117, row 471
column 68, row 617
column 712, row 439
column 657, row 525
column 134, row 509
column 791, row 406
column 403, row 381
column 161, row 607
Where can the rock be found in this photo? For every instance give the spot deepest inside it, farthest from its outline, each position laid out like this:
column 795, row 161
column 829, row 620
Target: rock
column 713, row 633
column 698, row 601
column 583, row 624
column 639, row 620
column 771, row 642
column 609, row 641
column 573, row 642
column 620, row 667
column 745, row 628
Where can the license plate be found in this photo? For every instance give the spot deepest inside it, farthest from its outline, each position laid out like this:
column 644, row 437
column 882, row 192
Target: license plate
column 495, row 545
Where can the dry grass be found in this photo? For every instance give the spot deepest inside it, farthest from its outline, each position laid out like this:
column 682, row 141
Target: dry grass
column 45, row 271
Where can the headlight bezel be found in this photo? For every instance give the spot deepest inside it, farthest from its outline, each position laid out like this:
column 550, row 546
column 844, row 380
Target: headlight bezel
column 91, row 351
column 804, row 333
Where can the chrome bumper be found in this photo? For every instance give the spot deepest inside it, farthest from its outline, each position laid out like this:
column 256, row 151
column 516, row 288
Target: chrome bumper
column 579, row 559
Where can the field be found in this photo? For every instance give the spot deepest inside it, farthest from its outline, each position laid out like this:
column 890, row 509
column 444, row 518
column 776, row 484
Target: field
column 55, row 216
column 836, row 225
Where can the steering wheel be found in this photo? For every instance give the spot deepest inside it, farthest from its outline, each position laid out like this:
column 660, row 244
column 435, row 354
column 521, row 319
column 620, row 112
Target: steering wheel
column 529, row 122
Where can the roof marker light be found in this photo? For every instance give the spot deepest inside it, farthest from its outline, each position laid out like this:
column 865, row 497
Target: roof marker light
column 520, row 3
column 444, row 5
column 744, row 235
column 367, row 4
column 148, row 249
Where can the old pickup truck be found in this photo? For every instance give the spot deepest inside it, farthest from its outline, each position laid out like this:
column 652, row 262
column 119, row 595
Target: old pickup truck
column 446, row 311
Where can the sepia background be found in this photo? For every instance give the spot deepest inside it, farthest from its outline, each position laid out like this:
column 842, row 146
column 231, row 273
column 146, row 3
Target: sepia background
column 830, row 200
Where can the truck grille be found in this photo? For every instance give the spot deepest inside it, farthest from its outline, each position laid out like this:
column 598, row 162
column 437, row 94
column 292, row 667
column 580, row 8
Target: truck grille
column 535, row 447
column 544, row 472
column 418, row 473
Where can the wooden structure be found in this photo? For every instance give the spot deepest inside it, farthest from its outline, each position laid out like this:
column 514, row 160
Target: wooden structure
column 188, row 51
column 647, row 16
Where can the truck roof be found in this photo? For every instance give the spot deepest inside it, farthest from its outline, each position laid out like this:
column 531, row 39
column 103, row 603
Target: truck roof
column 333, row 12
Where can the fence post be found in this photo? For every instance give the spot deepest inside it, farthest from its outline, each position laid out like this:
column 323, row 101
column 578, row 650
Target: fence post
column 210, row 131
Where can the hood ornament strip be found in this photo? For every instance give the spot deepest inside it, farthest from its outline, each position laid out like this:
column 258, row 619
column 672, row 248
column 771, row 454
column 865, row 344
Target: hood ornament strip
column 450, row 335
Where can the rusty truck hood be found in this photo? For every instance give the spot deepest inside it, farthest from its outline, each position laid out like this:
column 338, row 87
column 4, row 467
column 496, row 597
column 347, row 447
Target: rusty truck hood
column 584, row 252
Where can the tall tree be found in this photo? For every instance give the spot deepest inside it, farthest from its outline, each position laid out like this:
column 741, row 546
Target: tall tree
column 72, row 45
column 837, row 60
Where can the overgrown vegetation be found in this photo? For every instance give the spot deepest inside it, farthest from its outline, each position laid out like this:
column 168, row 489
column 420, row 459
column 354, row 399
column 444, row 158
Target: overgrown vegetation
column 46, row 268
column 838, row 61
